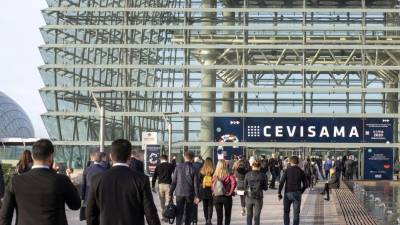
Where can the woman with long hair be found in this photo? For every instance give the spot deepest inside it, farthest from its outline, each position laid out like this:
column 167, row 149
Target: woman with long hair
column 223, row 188
column 206, row 174
column 25, row 162
column 240, row 169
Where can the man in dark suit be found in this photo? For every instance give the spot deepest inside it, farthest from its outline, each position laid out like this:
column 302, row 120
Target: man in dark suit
column 136, row 164
column 95, row 168
column 121, row 195
column 185, row 184
column 39, row 195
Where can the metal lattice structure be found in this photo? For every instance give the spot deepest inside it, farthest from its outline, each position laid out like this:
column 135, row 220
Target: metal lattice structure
column 14, row 122
column 208, row 58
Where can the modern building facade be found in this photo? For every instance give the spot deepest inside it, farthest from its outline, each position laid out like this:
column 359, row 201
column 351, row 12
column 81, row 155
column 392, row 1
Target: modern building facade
column 205, row 59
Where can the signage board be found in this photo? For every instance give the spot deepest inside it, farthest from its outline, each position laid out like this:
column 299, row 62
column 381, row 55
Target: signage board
column 291, row 129
column 303, row 130
column 378, row 164
column 378, row 130
column 149, row 138
column 153, row 153
column 228, row 130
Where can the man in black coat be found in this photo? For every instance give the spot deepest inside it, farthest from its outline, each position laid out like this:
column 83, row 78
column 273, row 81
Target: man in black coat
column 295, row 183
column 121, row 195
column 39, row 195
column 163, row 173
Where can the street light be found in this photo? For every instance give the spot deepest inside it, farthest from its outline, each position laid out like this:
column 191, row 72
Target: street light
column 169, row 127
column 102, row 116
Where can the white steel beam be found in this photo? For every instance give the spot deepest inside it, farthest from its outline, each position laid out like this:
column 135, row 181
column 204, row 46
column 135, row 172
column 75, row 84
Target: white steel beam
column 237, row 10
column 259, row 67
column 227, row 47
column 264, row 89
column 235, row 114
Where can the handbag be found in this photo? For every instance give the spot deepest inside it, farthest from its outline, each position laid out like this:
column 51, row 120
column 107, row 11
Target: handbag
column 170, row 212
column 82, row 213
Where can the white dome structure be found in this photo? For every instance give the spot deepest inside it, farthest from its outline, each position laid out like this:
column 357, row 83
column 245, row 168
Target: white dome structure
column 14, row 122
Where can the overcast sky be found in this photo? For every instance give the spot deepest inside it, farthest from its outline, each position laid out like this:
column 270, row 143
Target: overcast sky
column 19, row 56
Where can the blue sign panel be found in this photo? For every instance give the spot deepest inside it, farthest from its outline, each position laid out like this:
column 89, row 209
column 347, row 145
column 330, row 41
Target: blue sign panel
column 378, row 164
column 378, row 130
column 303, row 130
column 153, row 153
column 228, row 130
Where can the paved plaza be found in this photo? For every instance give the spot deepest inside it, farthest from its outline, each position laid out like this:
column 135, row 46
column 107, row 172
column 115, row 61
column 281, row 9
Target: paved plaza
column 314, row 210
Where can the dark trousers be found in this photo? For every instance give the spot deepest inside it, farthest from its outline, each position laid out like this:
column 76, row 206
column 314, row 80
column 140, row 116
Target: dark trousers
column 185, row 206
column 253, row 207
column 326, row 190
column 327, row 175
column 208, row 209
column 223, row 203
column 349, row 176
column 273, row 178
column 289, row 199
column 242, row 201
column 309, row 181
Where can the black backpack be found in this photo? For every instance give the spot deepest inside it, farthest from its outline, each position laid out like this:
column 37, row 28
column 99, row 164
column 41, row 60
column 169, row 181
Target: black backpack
column 170, row 212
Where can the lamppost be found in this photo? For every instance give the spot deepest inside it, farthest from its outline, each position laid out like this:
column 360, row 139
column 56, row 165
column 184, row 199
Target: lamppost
column 169, row 127
column 102, row 116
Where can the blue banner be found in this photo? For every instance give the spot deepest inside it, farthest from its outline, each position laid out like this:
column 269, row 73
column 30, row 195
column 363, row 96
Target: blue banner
column 323, row 130
column 228, row 129
column 378, row 164
column 153, row 153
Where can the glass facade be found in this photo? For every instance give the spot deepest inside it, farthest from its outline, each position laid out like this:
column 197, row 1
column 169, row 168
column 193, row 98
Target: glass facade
column 14, row 123
column 206, row 58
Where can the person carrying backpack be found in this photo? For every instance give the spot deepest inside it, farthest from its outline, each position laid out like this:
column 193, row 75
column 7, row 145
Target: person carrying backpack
column 255, row 183
column 223, row 188
column 206, row 176
column 185, row 184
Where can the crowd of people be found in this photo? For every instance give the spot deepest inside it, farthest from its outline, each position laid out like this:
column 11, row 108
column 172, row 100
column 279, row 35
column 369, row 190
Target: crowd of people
column 115, row 189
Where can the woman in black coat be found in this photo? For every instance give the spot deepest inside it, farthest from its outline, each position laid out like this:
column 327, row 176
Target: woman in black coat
column 241, row 168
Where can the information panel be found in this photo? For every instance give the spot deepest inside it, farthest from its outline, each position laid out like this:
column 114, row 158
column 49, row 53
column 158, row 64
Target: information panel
column 378, row 130
column 378, row 164
column 153, row 153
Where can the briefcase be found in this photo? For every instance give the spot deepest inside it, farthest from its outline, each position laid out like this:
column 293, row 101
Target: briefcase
column 82, row 213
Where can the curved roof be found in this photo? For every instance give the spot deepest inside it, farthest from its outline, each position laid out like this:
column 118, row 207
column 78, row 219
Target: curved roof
column 14, row 122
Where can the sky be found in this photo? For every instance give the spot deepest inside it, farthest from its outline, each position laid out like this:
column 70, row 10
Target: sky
column 20, row 57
